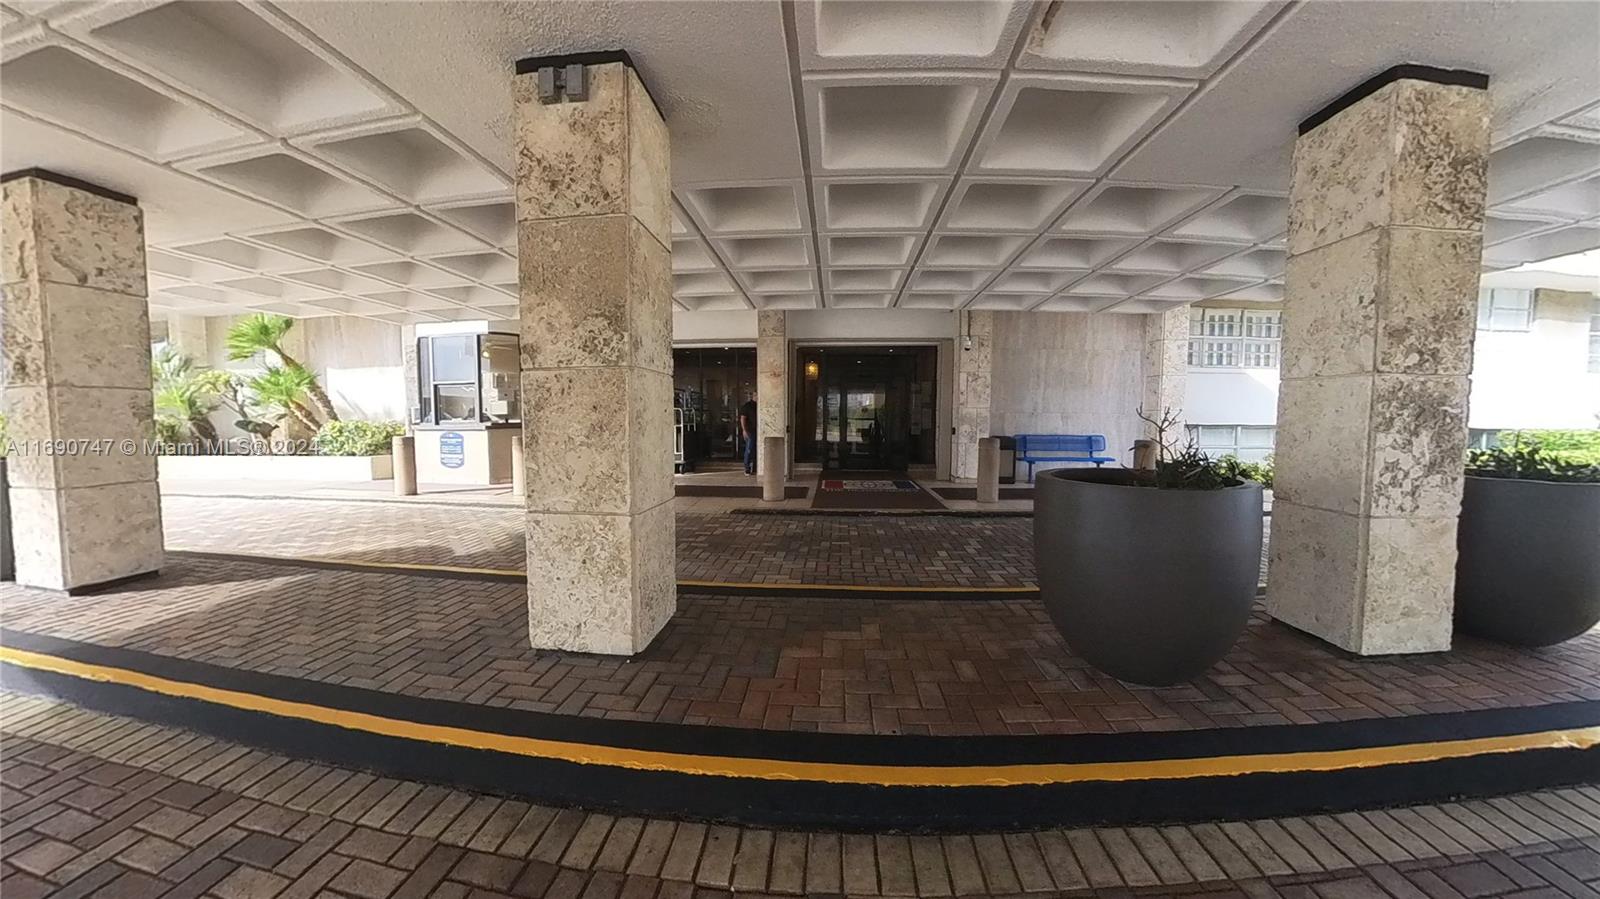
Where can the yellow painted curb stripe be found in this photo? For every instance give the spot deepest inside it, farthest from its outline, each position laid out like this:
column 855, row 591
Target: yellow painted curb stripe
column 825, row 772
column 731, row 585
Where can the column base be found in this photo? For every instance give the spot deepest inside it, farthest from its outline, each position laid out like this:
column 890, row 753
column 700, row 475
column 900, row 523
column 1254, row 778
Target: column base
column 600, row 583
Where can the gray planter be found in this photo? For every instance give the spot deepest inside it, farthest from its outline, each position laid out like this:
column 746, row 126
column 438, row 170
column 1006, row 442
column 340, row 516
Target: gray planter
column 1528, row 571
column 1150, row 586
column 7, row 561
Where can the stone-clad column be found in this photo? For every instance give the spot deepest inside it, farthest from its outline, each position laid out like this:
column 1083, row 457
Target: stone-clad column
column 1166, row 371
column 593, row 199
column 1385, row 234
column 75, row 330
column 974, row 366
column 186, row 335
column 772, row 385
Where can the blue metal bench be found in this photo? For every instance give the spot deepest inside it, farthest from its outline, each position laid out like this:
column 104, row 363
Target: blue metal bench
column 1036, row 448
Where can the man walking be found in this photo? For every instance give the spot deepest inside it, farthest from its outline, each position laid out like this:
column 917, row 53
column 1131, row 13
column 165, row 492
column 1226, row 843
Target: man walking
column 747, row 427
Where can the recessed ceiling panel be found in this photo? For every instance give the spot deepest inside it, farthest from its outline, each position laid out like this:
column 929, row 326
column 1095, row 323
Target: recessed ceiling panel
column 1246, row 218
column 889, row 205
column 62, row 86
column 412, row 162
column 1131, row 209
column 1072, row 124
column 874, row 124
column 494, row 222
column 927, row 34
column 294, row 183
column 1170, row 257
column 972, row 250
column 237, row 59
column 766, row 252
column 860, row 300
column 747, row 209
column 1187, row 38
column 410, row 233
column 1008, row 205
column 870, row 249
column 322, row 245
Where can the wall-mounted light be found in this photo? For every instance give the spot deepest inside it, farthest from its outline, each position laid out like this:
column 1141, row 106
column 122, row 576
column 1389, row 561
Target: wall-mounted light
column 812, row 371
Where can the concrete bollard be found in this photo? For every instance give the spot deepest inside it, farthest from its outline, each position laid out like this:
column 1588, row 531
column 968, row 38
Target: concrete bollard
column 988, row 469
column 771, row 460
column 404, row 449
column 519, row 471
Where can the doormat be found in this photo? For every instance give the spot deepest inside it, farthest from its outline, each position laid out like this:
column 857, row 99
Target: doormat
column 871, row 493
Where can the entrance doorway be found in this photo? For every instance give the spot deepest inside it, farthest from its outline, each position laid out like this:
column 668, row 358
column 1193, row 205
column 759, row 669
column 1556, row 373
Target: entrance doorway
column 710, row 384
column 866, row 408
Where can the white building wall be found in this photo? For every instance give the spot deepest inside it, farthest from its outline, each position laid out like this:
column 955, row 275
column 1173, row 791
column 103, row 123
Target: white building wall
column 1537, row 378
column 1068, row 373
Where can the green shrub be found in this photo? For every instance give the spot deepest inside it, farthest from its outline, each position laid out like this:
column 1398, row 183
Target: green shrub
column 1579, row 447
column 1527, row 460
column 357, row 438
column 1235, row 467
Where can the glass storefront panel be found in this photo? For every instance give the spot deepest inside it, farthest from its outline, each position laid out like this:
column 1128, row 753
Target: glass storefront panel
column 711, row 384
column 866, row 407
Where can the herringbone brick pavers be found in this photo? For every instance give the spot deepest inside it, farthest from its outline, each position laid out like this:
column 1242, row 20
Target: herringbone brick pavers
column 165, row 831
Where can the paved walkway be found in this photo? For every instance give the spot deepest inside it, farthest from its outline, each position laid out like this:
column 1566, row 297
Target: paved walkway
column 95, row 805
column 949, row 667
column 720, row 547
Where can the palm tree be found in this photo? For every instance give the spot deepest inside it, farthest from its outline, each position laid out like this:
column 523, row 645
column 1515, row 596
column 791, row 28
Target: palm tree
column 184, row 395
column 285, row 389
column 263, row 331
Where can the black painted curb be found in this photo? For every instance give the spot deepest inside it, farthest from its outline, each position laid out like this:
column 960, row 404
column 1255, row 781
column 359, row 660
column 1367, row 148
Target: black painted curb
column 840, row 806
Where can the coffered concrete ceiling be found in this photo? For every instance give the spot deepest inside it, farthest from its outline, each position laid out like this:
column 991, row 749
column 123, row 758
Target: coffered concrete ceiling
column 354, row 158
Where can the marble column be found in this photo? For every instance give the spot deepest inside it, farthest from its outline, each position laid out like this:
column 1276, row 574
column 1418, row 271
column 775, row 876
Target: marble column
column 974, row 367
column 1166, row 372
column 592, row 201
column 772, row 386
column 74, row 329
column 1385, row 234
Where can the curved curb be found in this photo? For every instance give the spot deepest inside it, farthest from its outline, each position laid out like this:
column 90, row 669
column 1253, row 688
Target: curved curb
column 839, row 781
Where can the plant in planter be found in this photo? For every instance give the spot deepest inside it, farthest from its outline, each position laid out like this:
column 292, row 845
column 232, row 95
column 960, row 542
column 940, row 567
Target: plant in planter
column 1149, row 575
column 1528, row 562
column 185, row 397
column 284, row 391
column 263, row 333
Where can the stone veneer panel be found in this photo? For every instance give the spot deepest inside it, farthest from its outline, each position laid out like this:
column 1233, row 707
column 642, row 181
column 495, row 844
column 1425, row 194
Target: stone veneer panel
column 772, row 383
column 974, row 392
column 1385, row 236
column 74, row 329
column 1166, row 369
column 593, row 209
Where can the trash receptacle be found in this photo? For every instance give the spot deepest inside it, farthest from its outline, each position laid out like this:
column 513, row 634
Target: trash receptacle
column 1008, row 460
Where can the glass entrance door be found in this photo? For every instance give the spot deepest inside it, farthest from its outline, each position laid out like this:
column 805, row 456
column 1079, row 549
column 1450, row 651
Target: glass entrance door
column 865, row 408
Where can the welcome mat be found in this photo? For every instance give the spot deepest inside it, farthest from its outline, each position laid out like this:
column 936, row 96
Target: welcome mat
column 871, row 492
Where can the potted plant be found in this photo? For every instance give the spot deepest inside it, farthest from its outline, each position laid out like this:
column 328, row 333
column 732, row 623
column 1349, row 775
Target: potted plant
column 1528, row 561
column 1149, row 575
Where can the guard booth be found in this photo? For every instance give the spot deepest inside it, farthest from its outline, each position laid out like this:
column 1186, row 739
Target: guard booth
column 468, row 402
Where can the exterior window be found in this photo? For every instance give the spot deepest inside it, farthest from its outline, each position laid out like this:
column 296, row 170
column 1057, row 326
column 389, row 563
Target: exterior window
column 1483, row 438
column 1505, row 309
column 1594, row 337
column 1235, row 338
column 467, row 379
column 1249, row 443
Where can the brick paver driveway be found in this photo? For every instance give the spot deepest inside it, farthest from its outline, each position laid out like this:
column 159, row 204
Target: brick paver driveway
column 929, row 551
column 95, row 805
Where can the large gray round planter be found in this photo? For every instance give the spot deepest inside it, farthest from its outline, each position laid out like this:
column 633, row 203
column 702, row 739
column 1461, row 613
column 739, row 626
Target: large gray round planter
column 1150, row 586
column 1528, row 571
